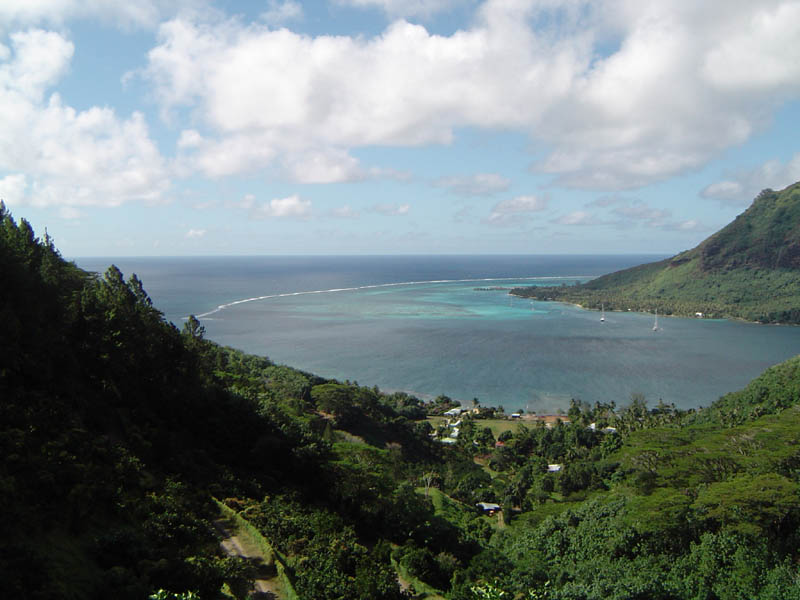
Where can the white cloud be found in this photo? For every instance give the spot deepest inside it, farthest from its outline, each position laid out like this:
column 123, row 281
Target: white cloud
column 664, row 101
column 391, row 210
column 12, row 189
column 516, row 210
column 747, row 183
column 689, row 225
column 578, row 217
column 124, row 13
column 628, row 213
column 189, row 138
column 763, row 49
column 195, row 233
column 323, row 166
column 289, row 207
column 606, row 201
column 279, row 13
column 639, row 211
column 248, row 202
column 724, row 190
column 70, row 157
column 345, row 212
column 405, row 8
column 481, row 184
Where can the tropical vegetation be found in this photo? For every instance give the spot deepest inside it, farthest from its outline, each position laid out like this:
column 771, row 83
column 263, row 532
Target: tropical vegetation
column 123, row 439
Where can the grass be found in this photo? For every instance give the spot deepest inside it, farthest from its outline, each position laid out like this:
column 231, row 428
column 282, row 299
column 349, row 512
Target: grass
column 444, row 505
column 497, row 426
column 453, row 511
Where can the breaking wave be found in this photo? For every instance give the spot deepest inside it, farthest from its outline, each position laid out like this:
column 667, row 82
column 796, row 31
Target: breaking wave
column 222, row 307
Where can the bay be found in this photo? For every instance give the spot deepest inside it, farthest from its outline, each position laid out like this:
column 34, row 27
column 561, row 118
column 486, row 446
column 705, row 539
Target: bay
column 434, row 325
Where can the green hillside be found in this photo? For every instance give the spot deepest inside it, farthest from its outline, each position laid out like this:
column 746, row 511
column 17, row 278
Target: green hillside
column 750, row 270
column 123, row 440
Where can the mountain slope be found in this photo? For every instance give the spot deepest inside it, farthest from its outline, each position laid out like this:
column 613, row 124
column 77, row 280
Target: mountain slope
column 117, row 433
column 750, row 269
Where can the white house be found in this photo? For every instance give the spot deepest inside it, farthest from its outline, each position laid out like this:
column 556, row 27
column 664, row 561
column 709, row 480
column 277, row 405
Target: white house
column 489, row 507
column 554, row 468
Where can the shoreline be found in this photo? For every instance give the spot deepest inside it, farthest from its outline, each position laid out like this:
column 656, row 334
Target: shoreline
column 672, row 315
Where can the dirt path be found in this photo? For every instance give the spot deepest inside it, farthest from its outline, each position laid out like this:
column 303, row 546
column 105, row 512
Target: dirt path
column 266, row 585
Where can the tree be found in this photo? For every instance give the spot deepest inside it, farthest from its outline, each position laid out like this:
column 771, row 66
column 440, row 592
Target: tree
column 430, row 479
column 193, row 329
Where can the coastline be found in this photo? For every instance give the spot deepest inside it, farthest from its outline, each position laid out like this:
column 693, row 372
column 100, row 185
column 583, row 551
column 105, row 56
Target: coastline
column 673, row 314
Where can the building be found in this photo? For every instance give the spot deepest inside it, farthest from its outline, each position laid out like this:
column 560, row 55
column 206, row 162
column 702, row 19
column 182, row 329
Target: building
column 488, row 507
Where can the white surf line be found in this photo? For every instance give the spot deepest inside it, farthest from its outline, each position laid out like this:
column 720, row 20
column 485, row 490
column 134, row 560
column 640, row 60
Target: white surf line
column 222, row 307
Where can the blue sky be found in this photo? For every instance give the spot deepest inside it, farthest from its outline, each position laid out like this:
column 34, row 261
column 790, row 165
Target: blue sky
column 393, row 126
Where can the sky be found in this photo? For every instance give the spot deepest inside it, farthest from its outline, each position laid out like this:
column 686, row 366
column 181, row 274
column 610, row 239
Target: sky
column 208, row 127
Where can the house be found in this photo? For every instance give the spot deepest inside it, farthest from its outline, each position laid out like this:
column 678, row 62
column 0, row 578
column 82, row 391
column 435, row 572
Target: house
column 593, row 427
column 699, row 315
column 499, row 444
column 516, row 415
column 453, row 412
column 456, row 424
column 554, row 468
column 448, row 440
column 455, row 432
column 488, row 507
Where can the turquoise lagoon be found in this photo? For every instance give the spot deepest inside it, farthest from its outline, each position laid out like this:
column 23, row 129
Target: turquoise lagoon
column 433, row 325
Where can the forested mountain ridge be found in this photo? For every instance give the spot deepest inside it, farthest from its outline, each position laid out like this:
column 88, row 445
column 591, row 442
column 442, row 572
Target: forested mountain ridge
column 750, row 269
column 117, row 432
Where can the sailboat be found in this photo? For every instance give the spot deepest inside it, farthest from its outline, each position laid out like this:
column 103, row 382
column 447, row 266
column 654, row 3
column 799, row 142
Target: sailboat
column 603, row 316
column 655, row 325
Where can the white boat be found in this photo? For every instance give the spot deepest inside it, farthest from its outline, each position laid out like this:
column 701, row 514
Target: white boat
column 603, row 310
column 655, row 325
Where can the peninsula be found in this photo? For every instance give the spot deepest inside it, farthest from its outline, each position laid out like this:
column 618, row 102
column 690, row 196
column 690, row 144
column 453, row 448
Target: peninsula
column 748, row 270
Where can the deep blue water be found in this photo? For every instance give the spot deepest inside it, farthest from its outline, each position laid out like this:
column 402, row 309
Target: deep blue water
column 418, row 323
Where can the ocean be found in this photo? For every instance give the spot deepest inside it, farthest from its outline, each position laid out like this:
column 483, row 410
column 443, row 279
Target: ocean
column 431, row 325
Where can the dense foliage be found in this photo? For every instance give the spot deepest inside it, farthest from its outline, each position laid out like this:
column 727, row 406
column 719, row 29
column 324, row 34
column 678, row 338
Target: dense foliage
column 750, row 269
column 118, row 431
